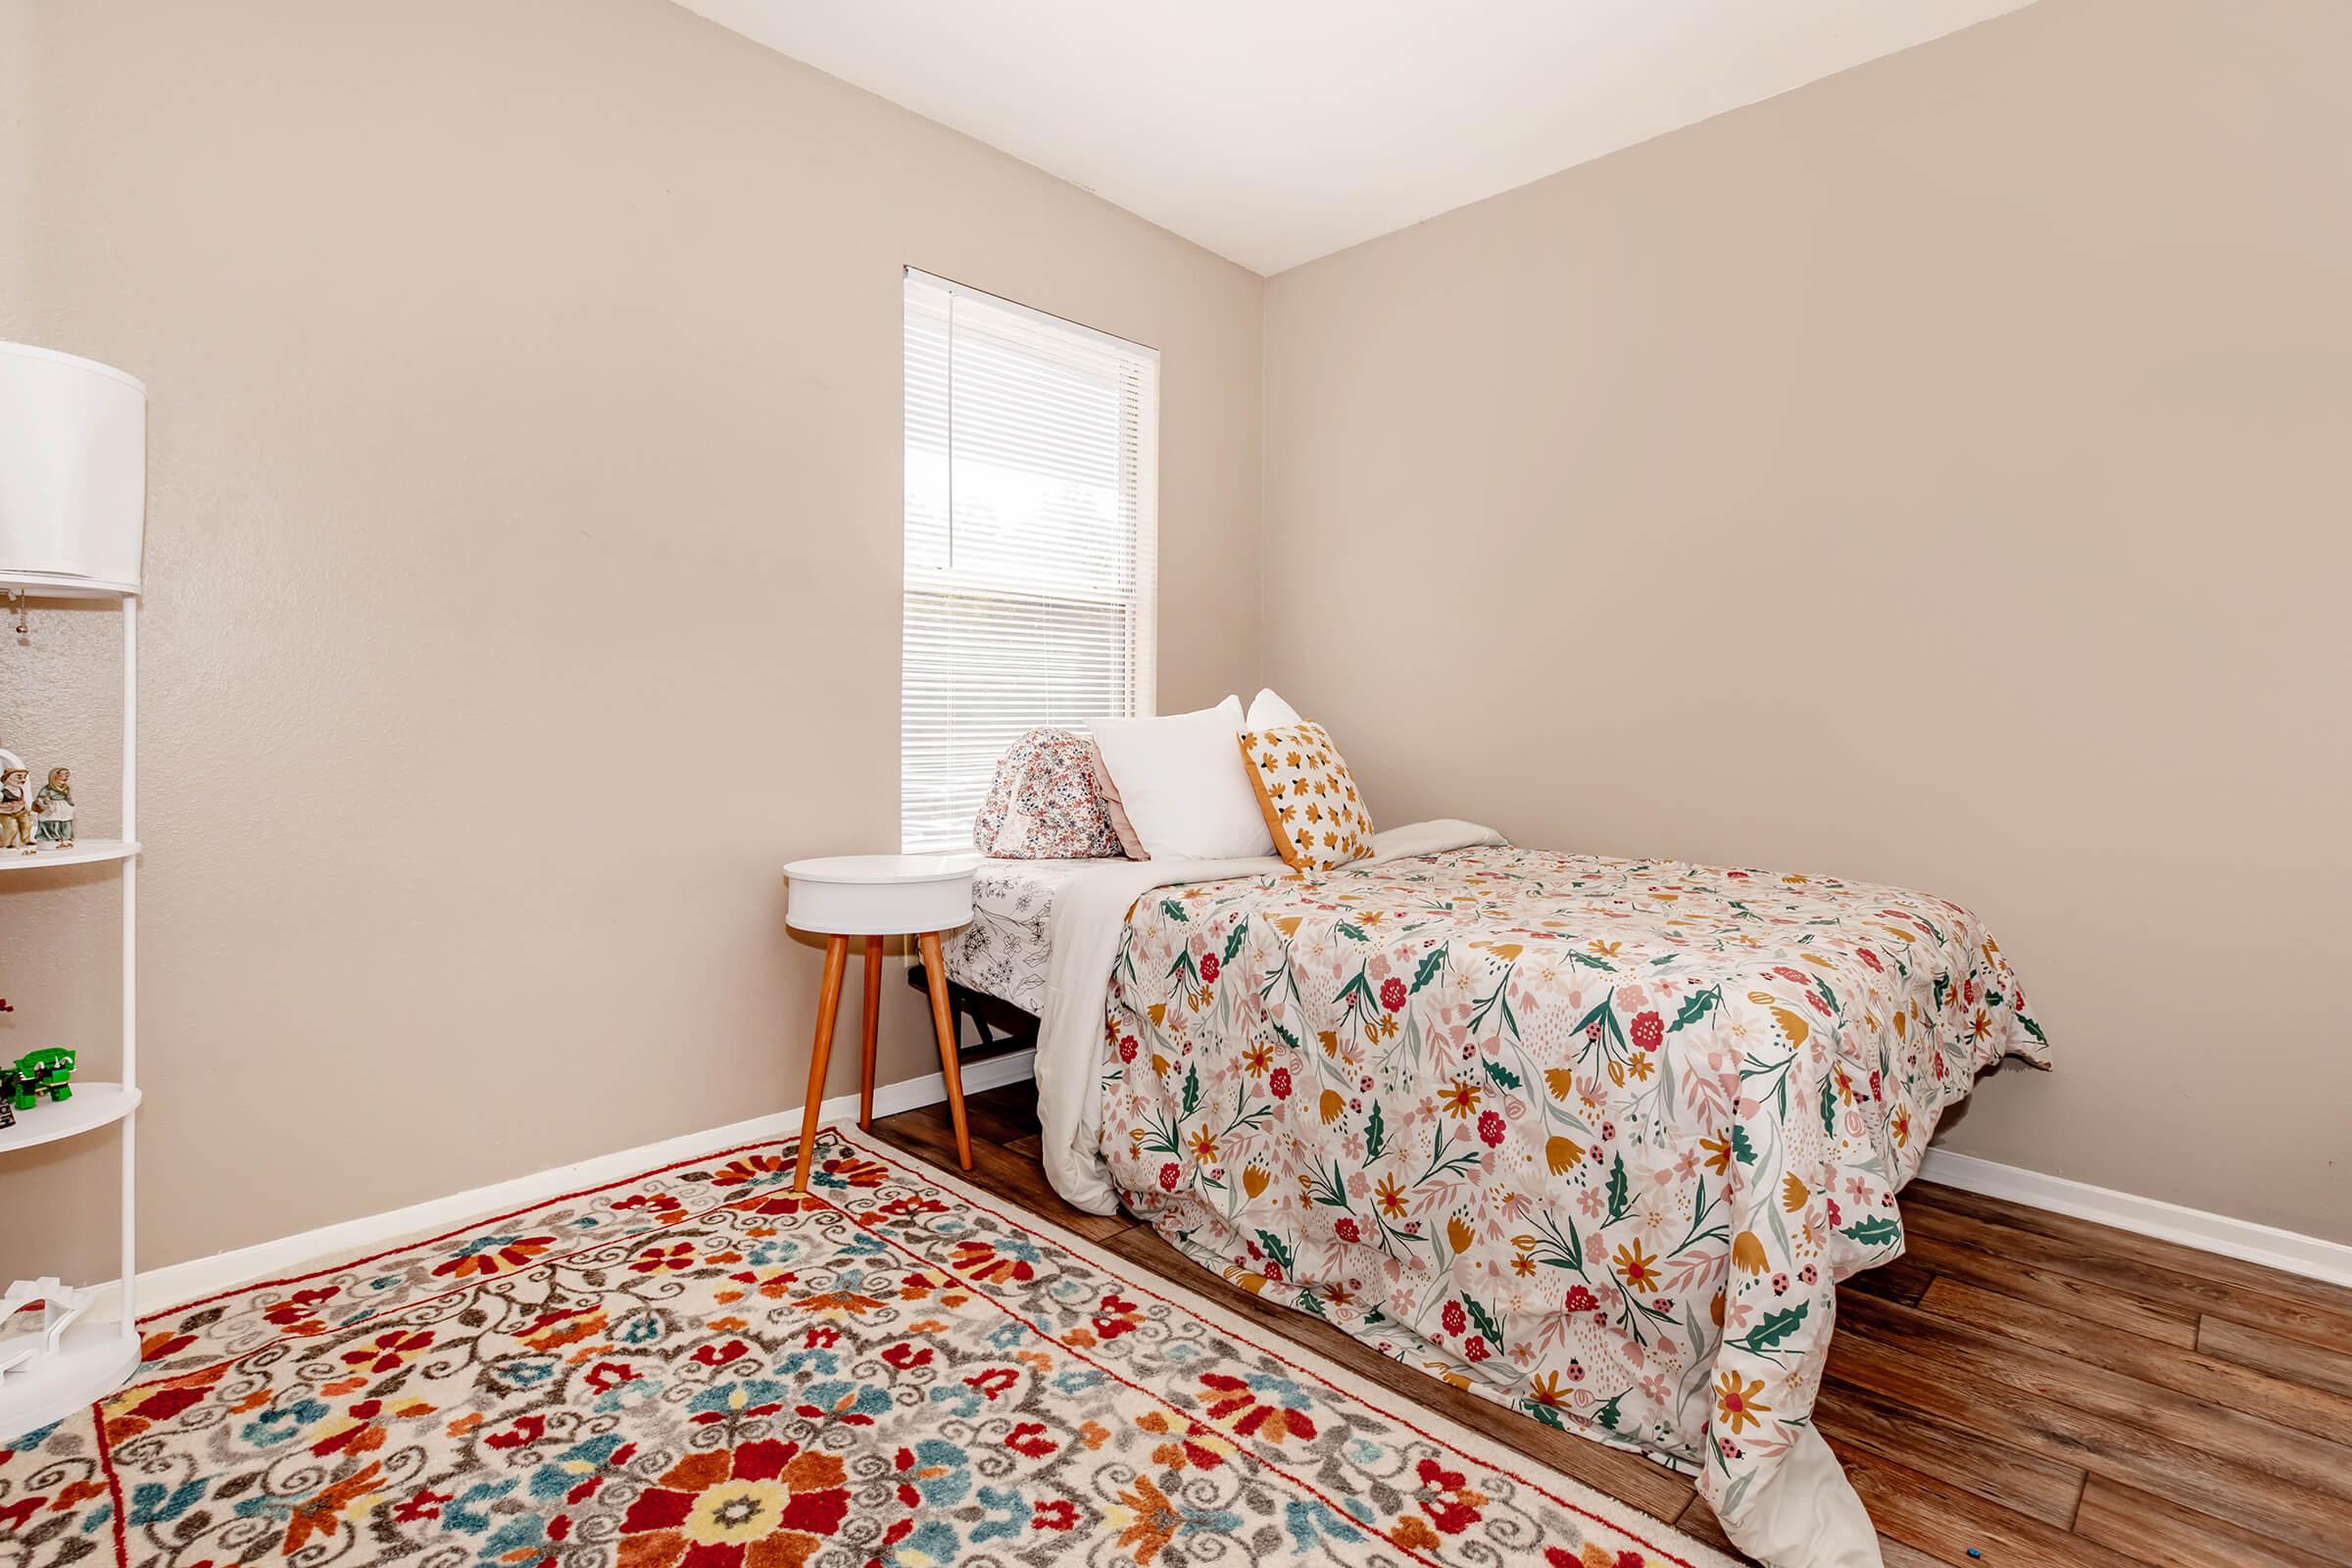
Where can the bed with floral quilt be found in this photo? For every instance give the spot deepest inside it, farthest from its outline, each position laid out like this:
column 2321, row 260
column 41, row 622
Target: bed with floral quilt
column 1592, row 1138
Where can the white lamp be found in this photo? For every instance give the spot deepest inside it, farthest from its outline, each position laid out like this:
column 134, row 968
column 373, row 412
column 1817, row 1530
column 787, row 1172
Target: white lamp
column 73, row 473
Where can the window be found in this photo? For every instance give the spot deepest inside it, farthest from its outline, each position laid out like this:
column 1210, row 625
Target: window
column 1032, row 511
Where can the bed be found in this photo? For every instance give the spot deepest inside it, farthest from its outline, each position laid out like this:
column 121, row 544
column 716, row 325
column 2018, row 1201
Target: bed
column 1004, row 952
column 1592, row 1138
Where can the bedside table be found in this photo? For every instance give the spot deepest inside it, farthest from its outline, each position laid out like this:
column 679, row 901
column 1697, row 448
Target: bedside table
column 877, row 896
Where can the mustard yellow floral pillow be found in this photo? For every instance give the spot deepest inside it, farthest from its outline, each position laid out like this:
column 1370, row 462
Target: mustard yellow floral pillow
column 1309, row 797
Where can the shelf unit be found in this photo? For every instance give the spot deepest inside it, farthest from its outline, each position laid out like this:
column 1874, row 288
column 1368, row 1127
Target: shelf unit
column 94, row 1106
column 94, row 1358
column 83, row 852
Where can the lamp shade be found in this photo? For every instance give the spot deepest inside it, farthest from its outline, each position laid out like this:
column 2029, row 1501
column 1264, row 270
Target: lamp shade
column 72, row 473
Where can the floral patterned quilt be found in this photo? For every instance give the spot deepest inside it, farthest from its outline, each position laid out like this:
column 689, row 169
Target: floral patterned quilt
column 1592, row 1138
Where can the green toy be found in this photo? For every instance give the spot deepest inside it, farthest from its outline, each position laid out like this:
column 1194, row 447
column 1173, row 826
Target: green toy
column 46, row 1071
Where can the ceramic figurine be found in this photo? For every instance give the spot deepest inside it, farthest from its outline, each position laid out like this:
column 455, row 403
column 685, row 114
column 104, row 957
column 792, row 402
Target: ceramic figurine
column 16, row 805
column 54, row 807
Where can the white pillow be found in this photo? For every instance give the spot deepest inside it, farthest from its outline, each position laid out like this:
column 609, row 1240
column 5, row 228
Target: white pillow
column 1183, row 785
column 1267, row 711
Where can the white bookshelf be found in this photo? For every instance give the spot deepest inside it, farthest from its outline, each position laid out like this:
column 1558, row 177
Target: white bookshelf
column 94, row 1358
column 73, row 517
column 94, row 1106
column 83, row 852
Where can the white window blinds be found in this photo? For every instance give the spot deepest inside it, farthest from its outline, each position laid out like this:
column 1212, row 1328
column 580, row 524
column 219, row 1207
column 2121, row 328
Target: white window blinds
column 1032, row 484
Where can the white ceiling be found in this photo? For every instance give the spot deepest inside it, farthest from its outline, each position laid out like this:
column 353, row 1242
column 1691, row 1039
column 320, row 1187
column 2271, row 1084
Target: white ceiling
column 1274, row 131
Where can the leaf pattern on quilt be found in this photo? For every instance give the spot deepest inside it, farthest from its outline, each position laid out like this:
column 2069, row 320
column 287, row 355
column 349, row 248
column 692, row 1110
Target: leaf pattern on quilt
column 1592, row 1138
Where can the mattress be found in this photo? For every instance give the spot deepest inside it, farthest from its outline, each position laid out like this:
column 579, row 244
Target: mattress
column 1004, row 951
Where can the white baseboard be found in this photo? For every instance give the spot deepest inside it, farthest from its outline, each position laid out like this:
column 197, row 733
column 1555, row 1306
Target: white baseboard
column 201, row 1277
column 2267, row 1245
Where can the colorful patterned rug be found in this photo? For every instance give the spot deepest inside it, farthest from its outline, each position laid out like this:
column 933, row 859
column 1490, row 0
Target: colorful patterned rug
column 695, row 1369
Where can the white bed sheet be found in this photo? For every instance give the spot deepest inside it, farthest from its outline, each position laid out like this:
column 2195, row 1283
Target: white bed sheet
column 1008, row 946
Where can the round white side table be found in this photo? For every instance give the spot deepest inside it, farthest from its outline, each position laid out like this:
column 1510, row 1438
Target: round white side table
column 877, row 896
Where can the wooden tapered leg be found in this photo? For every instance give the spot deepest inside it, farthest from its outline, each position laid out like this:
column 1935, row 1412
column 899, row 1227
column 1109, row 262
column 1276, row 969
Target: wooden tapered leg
column 828, row 1002
column 936, row 969
column 873, row 1019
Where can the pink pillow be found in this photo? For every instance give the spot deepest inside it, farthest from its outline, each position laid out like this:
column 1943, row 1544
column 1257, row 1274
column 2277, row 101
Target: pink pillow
column 1114, row 808
column 1044, row 804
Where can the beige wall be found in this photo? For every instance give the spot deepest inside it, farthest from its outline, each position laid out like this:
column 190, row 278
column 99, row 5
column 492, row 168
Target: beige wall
column 1928, row 475
column 1934, row 475
column 523, row 555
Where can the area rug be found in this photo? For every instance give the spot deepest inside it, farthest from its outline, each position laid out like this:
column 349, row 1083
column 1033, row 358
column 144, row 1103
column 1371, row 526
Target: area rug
column 695, row 1369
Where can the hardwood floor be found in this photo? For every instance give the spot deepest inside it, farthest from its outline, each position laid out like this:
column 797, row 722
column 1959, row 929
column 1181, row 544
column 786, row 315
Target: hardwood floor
column 2042, row 1389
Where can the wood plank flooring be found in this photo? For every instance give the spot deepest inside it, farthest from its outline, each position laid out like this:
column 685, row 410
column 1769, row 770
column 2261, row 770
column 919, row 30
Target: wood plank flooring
column 2042, row 1388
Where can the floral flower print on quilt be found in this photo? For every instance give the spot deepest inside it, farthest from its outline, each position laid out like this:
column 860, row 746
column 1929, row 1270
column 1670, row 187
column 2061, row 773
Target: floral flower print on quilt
column 1592, row 1138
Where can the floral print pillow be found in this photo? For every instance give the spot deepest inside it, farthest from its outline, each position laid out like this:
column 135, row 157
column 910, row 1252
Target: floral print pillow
column 1312, row 808
column 1044, row 804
